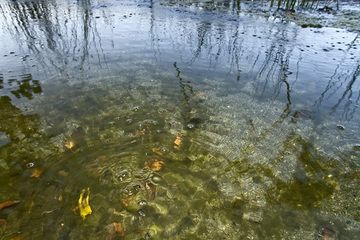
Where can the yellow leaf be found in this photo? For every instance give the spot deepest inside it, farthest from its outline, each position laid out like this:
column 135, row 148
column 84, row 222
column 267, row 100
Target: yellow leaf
column 178, row 141
column 69, row 144
column 157, row 151
column 36, row 173
column 155, row 164
column 84, row 206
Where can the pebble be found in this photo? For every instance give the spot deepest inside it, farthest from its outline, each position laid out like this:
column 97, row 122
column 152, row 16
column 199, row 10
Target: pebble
column 340, row 127
column 142, row 213
column 156, row 179
column 30, row 165
column 142, row 203
column 255, row 217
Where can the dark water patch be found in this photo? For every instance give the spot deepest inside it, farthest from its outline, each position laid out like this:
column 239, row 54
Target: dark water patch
column 3, row 139
column 13, row 122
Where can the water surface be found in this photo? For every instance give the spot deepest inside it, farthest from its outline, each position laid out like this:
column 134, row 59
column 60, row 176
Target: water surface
column 183, row 121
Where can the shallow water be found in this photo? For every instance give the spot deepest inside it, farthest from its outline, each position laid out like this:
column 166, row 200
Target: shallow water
column 184, row 122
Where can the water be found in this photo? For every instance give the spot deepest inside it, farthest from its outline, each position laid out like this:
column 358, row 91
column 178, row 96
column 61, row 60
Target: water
column 183, row 121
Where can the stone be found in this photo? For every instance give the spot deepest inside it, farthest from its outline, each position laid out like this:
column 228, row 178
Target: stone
column 356, row 147
column 255, row 217
column 340, row 127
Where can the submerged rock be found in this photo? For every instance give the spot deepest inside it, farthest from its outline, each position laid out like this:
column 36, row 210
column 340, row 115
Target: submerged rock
column 340, row 127
column 356, row 147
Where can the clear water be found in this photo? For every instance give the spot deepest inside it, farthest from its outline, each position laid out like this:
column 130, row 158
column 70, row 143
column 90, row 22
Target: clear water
column 184, row 121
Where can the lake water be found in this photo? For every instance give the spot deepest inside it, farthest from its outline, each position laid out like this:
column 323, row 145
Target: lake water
column 177, row 121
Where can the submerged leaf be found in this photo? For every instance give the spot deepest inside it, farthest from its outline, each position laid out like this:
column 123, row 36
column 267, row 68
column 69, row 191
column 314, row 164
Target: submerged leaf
column 83, row 204
column 155, row 164
column 69, row 144
column 8, row 203
column 3, row 223
column 36, row 173
column 178, row 141
column 158, row 151
column 115, row 230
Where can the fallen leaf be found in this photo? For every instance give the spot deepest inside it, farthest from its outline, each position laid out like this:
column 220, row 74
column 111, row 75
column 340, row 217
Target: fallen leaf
column 115, row 230
column 178, row 141
column 36, row 172
column 18, row 237
column 155, row 164
column 83, row 203
column 158, row 151
column 69, row 144
column 3, row 223
column 8, row 203
column 119, row 229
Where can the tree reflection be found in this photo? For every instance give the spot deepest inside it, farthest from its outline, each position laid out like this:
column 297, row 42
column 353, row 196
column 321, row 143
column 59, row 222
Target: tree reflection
column 348, row 94
column 61, row 38
column 26, row 87
column 66, row 38
column 343, row 77
column 268, row 58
